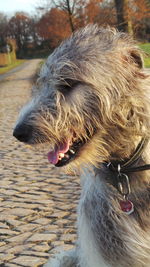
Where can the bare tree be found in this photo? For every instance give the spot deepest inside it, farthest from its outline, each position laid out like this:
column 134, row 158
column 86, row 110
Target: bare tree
column 71, row 7
column 123, row 16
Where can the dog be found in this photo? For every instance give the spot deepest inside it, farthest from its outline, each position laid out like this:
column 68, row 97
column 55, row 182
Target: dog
column 92, row 107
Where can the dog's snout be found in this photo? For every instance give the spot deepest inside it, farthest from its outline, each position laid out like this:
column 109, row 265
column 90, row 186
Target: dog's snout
column 23, row 132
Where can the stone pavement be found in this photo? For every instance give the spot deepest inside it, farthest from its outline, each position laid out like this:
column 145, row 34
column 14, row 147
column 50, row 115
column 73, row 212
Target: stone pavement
column 37, row 201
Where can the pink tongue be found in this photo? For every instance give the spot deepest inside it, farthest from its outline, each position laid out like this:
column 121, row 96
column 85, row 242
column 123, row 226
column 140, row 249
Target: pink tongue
column 61, row 148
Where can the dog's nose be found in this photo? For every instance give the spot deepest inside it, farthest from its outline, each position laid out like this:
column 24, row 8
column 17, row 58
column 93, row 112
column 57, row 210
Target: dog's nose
column 23, row 132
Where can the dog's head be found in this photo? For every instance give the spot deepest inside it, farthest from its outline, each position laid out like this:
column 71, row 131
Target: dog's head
column 90, row 101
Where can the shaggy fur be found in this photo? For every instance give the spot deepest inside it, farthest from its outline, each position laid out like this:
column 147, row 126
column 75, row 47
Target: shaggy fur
column 93, row 88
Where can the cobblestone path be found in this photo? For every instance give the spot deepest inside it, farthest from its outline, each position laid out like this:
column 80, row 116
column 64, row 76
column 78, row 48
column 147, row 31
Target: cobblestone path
column 37, row 203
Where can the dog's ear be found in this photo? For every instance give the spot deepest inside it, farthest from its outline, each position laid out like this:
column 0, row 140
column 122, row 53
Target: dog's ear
column 137, row 58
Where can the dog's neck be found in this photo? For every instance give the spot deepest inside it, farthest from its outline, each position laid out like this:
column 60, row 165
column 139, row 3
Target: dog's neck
column 128, row 166
column 139, row 183
column 137, row 164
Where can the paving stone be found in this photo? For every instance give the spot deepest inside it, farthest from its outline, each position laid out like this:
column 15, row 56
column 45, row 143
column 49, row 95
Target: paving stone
column 41, row 247
column 19, row 238
column 4, row 225
column 2, row 244
column 4, row 217
column 60, row 214
column 4, row 247
column 7, row 232
column 42, row 237
column 42, row 221
column 27, row 227
column 68, row 237
column 35, row 253
column 18, row 249
column 10, row 265
column 50, row 229
column 28, row 261
column 63, row 247
column 13, row 223
column 62, row 222
column 58, row 243
column 11, row 205
column 6, row 257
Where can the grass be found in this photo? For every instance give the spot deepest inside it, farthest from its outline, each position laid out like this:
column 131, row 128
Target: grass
column 147, row 62
column 11, row 66
column 146, row 48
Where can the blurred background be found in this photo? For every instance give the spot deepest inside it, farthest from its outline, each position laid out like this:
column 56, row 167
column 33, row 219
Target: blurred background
column 32, row 29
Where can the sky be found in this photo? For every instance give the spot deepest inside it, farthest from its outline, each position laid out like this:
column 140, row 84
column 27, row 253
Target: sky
column 11, row 6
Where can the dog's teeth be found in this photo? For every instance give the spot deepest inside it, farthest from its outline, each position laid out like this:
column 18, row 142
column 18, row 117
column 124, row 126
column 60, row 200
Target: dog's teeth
column 61, row 155
column 71, row 151
column 66, row 156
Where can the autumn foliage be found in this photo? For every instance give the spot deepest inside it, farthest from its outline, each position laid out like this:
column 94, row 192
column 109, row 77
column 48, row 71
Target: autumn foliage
column 54, row 26
column 33, row 35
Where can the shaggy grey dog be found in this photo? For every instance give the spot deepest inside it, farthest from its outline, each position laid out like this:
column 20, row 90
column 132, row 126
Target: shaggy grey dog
column 92, row 107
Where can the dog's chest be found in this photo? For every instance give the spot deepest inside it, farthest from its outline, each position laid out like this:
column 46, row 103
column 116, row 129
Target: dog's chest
column 89, row 255
column 103, row 231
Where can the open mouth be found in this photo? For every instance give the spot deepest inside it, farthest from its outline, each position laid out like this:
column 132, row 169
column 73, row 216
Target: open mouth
column 64, row 153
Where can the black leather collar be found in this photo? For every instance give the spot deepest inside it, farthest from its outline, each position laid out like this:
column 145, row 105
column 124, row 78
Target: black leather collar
column 128, row 166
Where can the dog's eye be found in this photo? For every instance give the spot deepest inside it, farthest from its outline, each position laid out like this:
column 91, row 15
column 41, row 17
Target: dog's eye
column 67, row 86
